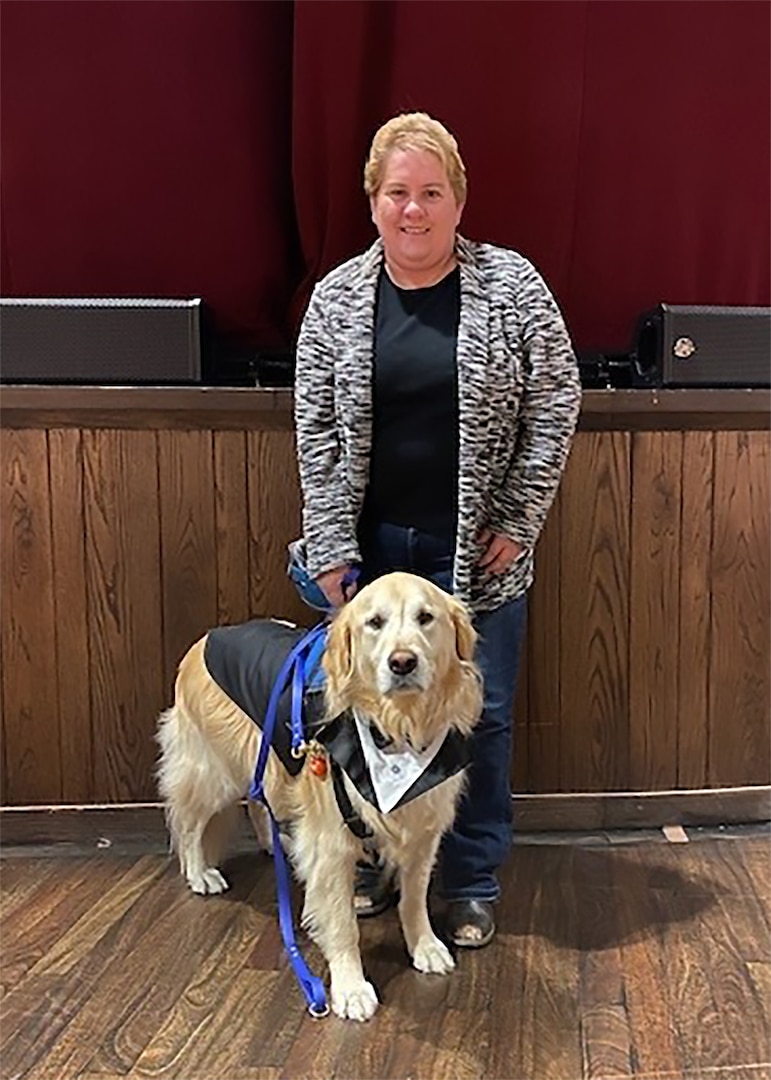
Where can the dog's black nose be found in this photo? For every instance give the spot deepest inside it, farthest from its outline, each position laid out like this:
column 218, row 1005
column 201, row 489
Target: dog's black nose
column 402, row 662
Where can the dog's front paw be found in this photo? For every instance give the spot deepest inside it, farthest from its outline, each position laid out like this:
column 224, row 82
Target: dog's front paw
column 355, row 1002
column 432, row 956
column 208, row 881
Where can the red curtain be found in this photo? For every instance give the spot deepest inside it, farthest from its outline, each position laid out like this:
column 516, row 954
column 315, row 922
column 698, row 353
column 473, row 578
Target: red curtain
column 146, row 151
column 622, row 146
column 216, row 148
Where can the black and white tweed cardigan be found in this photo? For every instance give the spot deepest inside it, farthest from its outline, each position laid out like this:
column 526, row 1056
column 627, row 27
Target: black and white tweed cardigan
column 519, row 398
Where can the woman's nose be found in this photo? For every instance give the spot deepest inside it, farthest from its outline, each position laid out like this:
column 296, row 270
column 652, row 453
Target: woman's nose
column 413, row 207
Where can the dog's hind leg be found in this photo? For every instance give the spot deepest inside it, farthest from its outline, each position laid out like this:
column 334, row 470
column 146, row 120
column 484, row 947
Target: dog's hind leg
column 201, row 877
column 261, row 825
column 197, row 796
column 219, row 828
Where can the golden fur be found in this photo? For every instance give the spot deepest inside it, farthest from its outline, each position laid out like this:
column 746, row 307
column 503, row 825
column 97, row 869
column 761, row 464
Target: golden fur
column 401, row 652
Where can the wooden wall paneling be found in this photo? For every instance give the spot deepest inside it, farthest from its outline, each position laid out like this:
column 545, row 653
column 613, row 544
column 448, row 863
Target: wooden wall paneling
column 31, row 712
column 543, row 653
column 274, row 520
column 123, row 580
column 188, row 548
column 3, row 737
column 655, row 609
column 740, row 687
column 695, row 607
column 231, row 515
column 72, row 644
column 594, row 614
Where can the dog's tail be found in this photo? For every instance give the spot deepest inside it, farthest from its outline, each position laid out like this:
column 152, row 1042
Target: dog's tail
column 193, row 783
column 168, row 770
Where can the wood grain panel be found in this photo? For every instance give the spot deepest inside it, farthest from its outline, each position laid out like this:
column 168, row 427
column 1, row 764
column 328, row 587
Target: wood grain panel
column 274, row 520
column 544, row 650
column 232, row 526
column 31, row 715
column 740, row 687
column 655, row 611
column 96, row 610
column 188, row 549
column 594, row 618
column 72, row 647
column 123, row 585
column 3, row 737
column 695, row 607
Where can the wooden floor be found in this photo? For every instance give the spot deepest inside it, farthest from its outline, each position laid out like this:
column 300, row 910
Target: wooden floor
column 620, row 956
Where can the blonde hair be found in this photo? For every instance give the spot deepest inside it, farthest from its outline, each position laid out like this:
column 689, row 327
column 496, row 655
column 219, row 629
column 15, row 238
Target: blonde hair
column 415, row 131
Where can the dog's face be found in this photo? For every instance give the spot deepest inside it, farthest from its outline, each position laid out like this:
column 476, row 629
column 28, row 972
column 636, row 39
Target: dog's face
column 400, row 635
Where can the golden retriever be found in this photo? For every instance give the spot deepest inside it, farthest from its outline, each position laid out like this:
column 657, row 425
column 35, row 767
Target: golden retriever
column 399, row 656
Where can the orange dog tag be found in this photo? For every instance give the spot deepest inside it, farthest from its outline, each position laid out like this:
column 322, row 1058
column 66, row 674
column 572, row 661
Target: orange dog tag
column 317, row 763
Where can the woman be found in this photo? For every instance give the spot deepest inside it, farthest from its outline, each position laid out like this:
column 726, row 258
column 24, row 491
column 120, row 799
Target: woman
column 436, row 397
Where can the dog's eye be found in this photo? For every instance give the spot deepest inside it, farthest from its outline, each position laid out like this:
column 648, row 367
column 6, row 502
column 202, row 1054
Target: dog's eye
column 376, row 622
column 424, row 618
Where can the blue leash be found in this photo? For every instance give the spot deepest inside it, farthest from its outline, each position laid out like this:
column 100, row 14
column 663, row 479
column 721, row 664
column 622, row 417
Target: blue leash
column 304, row 656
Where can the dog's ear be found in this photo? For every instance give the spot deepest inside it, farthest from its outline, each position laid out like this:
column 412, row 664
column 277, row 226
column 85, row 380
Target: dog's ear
column 465, row 634
column 338, row 658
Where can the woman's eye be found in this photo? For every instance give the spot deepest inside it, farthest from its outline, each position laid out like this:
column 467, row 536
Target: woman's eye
column 425, row 617
column 376, row 622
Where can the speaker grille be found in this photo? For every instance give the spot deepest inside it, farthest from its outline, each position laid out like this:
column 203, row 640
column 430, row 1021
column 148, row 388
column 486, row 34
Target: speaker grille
column 100, row 340
column 716, row 346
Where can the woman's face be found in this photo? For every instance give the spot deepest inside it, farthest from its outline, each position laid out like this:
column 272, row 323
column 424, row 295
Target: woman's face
column 415, row 211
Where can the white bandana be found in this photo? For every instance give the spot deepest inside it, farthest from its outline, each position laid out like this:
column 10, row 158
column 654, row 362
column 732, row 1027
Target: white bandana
column 393, row 772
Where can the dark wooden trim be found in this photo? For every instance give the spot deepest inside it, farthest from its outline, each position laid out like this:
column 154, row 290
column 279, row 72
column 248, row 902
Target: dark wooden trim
column 95, row 827
column 131, row 826
column 676, row 410
column 245, row 408
column 189, row 408
column 589, row 811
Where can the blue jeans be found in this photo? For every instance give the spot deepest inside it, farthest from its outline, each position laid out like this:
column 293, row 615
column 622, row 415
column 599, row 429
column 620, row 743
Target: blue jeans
column 481, row 837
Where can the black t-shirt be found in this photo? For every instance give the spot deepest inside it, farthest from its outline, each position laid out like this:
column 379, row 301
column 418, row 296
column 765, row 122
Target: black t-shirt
column 414, row 463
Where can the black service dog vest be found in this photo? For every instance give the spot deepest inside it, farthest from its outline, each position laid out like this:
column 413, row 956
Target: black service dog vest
column 245, row 662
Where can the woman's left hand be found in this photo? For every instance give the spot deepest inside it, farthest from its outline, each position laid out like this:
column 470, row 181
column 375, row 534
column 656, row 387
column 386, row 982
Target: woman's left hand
column 500, row 551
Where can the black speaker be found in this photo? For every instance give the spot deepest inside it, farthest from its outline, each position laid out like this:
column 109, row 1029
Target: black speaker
column 682, row 346
column 100, row 341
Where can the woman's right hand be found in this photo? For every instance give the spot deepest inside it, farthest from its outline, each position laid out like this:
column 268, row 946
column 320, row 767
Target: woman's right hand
column 331, row 584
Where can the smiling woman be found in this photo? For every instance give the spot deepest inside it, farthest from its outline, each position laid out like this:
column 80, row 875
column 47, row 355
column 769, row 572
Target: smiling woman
column 416, row 184
column 416, row 213
column 436, row 396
